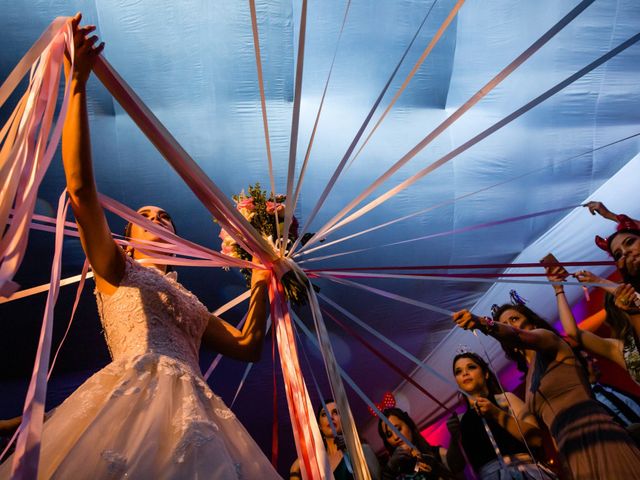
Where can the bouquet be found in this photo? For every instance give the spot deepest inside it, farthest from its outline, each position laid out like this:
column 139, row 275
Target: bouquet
column 266, row 215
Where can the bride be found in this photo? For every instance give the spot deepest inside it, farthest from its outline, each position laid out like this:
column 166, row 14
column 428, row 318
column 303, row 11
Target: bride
column 149, row 413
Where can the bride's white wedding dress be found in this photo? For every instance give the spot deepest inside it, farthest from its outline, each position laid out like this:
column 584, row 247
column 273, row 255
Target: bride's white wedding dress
column 149, row 414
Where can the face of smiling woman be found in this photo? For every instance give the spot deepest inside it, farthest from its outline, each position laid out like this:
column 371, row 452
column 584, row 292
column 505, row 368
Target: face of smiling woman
column 625, row 248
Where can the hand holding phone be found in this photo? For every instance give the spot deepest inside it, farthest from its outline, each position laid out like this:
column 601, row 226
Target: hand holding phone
column 555, row 272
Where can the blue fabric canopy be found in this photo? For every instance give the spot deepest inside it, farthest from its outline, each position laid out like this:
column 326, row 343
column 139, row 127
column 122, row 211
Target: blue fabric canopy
column 193, row 64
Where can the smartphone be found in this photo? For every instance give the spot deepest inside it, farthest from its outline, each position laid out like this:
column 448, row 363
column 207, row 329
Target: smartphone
column 549, row 260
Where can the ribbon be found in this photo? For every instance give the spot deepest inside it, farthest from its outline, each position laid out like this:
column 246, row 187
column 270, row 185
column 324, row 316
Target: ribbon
column 389, row 363
column 274, row 427
column 263, row 101
column 495, row 81
column 295, row 122
column 303, row 169
column 597, row 263
column 481, row 136
column 360, row 469
column 314, row 463
column 352, row 146
column 340, row 277
column 469, row 228
column 29, row 146
column 418, row 64
column 354, row 386
column 25, row 460
column 460, row 197
column 42, row 288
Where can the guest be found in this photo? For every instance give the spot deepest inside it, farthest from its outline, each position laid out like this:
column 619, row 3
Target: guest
column 622, row 348
column 514, row 429
column 426, row 463
column 623, row 407
column 331, row 430
column 557, row 392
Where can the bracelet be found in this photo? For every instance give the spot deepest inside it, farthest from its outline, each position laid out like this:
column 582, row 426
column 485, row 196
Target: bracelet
column 559, row 292
column 489, row 327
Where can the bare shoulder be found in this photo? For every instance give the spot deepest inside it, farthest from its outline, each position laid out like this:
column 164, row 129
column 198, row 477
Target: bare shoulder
column 295, row 467
column 508, row 400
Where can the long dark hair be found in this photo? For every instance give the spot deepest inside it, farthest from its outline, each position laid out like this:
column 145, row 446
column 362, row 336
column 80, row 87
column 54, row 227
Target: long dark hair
column 542, row 360
column 634, row 281
column 492, row 381
column 416, row 438
column 515, row 354
column 617, row 319
column 319, row 411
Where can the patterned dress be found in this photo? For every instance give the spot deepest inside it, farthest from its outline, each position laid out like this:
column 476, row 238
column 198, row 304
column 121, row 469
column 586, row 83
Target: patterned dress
column 589, row 441
column 631, row 356
column 149, row 414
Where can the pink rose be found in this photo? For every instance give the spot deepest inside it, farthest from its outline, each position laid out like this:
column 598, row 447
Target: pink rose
column 273, row 207
column 229, row 250
column 246, row 203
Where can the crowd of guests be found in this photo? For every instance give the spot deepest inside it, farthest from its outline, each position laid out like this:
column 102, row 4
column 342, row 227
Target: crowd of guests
column 594, row 427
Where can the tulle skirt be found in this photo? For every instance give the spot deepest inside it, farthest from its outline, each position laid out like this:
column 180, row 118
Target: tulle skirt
column 147, row 417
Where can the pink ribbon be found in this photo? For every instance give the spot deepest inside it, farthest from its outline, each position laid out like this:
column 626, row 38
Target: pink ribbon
column 26, row 456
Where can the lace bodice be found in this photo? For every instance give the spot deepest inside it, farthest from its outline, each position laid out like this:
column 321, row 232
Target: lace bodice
column 152, row 312
column 631, row 357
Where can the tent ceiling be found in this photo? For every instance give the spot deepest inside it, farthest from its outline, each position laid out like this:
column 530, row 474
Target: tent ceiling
column 193, row 63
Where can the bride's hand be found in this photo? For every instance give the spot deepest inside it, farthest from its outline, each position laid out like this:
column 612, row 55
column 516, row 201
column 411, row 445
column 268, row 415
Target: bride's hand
column 259, row 275
column 85, row 51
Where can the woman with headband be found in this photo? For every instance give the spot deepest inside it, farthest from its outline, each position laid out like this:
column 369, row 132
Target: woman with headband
column 624, row 323
column 558, row 393
column 622, row 303
column 513, row 428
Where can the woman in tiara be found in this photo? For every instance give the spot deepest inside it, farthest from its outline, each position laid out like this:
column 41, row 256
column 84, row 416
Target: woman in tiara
column 557, row 392
column 148, row 414
column 514, row 429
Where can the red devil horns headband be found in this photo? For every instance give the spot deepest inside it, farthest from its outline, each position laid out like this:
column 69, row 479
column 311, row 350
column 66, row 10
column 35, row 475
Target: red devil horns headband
column 625, row 224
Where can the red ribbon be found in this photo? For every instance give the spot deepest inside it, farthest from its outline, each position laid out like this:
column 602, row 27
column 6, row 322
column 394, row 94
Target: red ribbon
column 274, row 427
column 468, row 266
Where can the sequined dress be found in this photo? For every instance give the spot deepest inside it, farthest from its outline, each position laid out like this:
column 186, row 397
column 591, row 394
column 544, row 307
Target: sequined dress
column 631, row 356
column 149, row 414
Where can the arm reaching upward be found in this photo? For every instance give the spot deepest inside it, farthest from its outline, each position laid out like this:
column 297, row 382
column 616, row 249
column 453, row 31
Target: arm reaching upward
column 607, row 347
column 104, row 255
